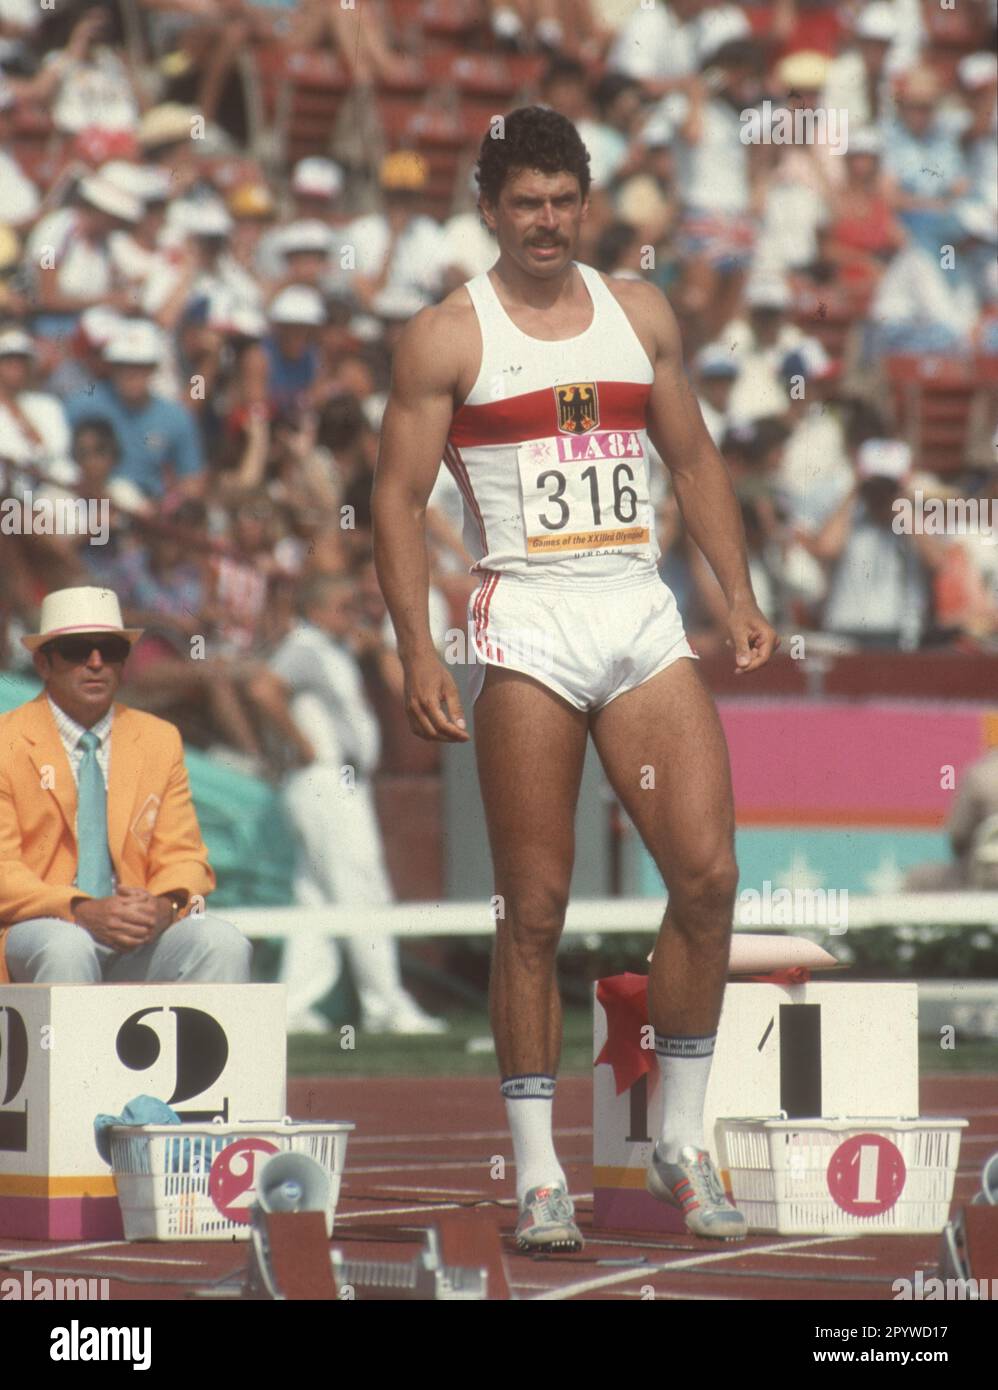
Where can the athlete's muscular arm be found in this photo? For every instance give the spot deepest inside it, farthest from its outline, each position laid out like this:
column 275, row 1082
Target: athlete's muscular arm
column 413, row 435
column 700, row 479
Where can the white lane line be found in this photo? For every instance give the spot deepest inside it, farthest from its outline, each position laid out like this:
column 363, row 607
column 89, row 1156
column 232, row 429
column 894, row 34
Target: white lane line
column 23, row 1256
column 146, row 1260
column 638, row 1244
column 352, row 1172
column 397, row 1211
column 684, row 1297
column 412, row 1187
column 518, row 1285
column 625, row 1276
column 804, row 1255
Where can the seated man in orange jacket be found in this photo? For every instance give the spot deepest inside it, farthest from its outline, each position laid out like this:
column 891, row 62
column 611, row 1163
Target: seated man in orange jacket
column 103, row 870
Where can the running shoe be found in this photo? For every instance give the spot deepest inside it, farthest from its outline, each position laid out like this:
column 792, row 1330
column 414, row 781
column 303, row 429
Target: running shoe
column 547, row 1221
column 694, row 1187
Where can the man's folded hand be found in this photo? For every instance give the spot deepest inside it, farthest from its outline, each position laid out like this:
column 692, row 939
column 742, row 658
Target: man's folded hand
column 130, row 918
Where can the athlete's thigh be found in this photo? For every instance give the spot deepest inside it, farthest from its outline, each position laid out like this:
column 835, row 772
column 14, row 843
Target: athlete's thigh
column 664, row 752
column 530, row 746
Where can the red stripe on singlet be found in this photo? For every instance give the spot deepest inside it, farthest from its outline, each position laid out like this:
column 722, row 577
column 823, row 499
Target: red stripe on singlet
column 623, row 405
column 483, row 600
column 459, row 472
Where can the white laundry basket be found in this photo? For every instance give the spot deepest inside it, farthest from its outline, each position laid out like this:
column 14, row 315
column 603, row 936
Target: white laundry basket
column 831, row 1176
column 198, row 1181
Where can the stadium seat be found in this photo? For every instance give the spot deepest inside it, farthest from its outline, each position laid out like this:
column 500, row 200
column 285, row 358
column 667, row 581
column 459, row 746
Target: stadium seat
column 933, row 396
column 450, row 21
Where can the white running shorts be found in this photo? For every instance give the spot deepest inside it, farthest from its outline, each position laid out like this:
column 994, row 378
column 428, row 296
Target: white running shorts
column 589, row 643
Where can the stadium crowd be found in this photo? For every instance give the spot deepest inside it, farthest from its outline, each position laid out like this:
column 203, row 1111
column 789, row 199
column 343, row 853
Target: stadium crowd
column 201, row 334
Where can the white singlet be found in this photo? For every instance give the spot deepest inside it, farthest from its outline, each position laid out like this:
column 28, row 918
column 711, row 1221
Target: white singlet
column 550, row 453
column 550, row 449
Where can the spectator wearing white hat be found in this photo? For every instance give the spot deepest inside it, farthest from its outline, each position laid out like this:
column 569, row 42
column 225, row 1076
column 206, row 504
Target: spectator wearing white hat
column 305, row 248
column 400, row 248
column 316, row 190
column 858, row 80
column 923, row 159
column 715, row 373
column 137, row 252
column 102, row 876
column 977, row 78
column 34, row 431
column 879, row 579
column 291, row 347
column 920, row 307
column 760, row 345
column 157, row 436
column 69, row 258
column 208, row 270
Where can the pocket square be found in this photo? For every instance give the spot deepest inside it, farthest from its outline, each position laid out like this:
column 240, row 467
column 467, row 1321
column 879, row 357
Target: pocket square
column 144, row 822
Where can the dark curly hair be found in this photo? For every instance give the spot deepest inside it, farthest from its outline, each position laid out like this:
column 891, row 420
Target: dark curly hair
column 534, row 137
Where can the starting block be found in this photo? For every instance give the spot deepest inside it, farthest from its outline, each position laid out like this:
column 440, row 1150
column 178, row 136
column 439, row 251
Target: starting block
column 461, row 1262
column 71, row 1052
column 809, row 1050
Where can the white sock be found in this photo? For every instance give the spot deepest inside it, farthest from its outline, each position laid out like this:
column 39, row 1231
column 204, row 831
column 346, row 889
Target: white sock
column 529, row 1103
column 684, row 1068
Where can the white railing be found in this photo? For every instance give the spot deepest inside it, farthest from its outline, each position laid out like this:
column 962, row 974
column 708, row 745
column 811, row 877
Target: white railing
column 601, row 916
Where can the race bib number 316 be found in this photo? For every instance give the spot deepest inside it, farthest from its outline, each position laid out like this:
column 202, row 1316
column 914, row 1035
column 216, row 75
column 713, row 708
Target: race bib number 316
column 584, row 494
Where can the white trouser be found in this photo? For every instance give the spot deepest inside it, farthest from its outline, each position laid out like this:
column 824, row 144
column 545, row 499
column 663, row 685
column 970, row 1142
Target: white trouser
column 340, row 860
column 50, row 950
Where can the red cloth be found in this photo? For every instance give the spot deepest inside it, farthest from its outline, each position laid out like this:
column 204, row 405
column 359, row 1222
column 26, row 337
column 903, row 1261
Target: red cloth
column 792, row 975
column 625, row 1002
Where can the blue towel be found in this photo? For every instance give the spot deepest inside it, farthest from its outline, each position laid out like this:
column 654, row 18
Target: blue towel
column 142, row 1110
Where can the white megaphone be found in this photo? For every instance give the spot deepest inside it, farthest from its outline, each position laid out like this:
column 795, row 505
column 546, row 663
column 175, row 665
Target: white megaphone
column 292, row 1182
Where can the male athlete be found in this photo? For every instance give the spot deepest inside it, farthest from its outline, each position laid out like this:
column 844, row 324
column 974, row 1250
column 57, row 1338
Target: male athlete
column 539, row 384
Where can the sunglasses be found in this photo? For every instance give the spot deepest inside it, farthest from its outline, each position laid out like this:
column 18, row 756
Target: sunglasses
column 113, row 650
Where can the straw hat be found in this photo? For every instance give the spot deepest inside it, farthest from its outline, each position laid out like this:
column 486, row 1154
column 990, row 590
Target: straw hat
column 80, row 610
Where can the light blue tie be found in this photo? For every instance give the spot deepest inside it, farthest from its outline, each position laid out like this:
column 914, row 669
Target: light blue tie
column 95, row 871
